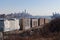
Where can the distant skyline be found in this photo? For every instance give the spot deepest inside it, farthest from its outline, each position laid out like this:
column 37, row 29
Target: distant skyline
column 34, row 7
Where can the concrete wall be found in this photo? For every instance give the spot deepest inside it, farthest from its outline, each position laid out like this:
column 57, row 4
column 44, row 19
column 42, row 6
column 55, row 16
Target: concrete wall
column 10, row 25
column 25, row 23
column 34, row 22
column 41, row 21
column 47, row 21
column 6, row 25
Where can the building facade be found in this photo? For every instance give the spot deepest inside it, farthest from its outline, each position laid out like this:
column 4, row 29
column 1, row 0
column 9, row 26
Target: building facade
column 47, row 21
column 24, row 23
column 9, row 24
column 41, row 21
column 34, row 22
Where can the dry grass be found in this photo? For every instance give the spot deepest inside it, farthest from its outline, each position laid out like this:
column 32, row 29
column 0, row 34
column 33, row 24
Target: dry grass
column 36, row 36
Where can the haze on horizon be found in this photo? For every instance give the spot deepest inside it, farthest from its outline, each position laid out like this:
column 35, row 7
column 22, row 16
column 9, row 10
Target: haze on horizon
column 34, row 7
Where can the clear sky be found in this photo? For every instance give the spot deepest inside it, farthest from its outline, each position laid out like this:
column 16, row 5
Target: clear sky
column 34, row 7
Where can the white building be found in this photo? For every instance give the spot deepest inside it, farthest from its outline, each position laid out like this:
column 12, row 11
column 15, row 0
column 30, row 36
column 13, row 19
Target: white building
column 9, row 24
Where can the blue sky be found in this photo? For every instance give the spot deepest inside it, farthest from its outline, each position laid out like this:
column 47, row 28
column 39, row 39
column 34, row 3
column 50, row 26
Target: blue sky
column 34, row 7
